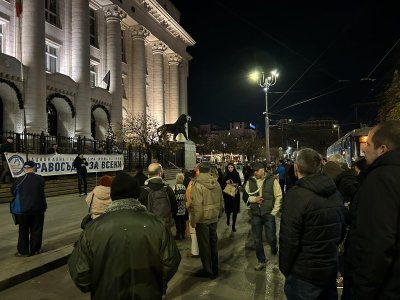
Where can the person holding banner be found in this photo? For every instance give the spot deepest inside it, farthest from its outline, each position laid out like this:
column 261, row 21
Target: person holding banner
column 80, row 164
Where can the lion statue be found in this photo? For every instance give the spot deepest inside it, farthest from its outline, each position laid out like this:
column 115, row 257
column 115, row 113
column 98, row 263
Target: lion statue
column 175, row 128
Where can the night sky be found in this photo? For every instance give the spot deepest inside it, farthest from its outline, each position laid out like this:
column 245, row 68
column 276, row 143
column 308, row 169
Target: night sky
column 317, row 50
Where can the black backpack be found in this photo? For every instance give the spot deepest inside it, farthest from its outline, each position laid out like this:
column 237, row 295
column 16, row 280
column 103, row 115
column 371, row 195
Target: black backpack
column 158, row 203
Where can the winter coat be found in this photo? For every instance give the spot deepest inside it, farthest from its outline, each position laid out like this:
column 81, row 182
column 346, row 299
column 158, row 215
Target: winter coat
column 311, row 229
column 126, row 253
column 232, row 204
column 78, row 162
column 206, row 201
column 32, row 195
column 333, row 169
column 375, row 241
column 156, row 183
column 6, row 148
column 101, row 200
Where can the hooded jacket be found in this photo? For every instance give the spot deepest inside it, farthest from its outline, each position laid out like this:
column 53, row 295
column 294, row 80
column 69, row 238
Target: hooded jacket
column 101, row 200
column 375, row 241
column 311, row 229
column 206, row 201
column 126, row 253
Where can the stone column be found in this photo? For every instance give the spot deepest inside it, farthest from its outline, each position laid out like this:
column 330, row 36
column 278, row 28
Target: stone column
column 80, row 55
column 137, row 105
column 158, row 49
column 183, row 108
column 33, row 57
column 114, row 15
column 173, row 105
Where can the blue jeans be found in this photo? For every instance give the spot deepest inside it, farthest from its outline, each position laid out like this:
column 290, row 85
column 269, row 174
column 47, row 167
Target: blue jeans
column 257, row 224
column 82, row 179
column 297, row 289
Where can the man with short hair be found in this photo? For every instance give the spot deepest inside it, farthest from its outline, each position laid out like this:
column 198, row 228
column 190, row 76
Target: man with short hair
column 375, row 234
column 53, row 150
column 126, row 253
column 311, row 229
column 155, row 183
column 139, row 176
column 30, row 214
column 206, row 205
column 7, row 147
column 264, row 198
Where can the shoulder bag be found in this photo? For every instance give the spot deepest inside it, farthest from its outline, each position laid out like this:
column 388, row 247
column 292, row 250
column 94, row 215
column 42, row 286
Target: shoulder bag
column 231, row 189
column 15, row 204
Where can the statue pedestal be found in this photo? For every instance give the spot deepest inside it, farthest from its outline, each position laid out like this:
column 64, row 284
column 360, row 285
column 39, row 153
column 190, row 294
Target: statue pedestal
column 189, row 152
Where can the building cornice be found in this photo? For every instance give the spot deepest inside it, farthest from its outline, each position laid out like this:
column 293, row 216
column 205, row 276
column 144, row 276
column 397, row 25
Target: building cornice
column 165, row 20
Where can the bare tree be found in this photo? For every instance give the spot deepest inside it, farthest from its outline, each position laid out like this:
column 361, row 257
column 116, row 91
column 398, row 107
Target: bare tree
column 390, row 107
column 140, row 131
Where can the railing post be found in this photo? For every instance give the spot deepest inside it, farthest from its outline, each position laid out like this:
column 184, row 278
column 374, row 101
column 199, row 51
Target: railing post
column 42, row 143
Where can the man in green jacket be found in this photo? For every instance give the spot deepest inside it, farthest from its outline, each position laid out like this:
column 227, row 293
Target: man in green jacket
column 205, row 205
column 126, row 253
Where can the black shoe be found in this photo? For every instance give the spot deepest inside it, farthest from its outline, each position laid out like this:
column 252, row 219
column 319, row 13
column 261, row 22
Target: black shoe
column 36, row 252
column 21, row 255
column 233, row 228
column 227, row 222
column 202, row 274
column 274, row 251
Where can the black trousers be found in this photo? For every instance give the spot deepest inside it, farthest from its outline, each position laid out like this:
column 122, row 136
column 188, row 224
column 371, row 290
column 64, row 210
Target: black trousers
column 30, row 233
column 82, row 179
column 208, row 246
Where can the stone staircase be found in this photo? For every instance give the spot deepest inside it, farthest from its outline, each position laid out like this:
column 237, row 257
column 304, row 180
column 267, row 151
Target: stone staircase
column 68, row 184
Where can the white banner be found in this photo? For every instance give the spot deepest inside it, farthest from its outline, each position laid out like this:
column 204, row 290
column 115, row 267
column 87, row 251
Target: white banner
column 61, row 164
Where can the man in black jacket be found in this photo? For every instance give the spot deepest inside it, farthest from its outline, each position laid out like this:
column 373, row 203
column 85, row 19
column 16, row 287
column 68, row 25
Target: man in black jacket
column 375, row 240
column 311, row 229
column 80, row 165
column 30, row 213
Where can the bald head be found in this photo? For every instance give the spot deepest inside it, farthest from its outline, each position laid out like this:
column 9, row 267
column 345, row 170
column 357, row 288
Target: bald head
column 155, row 169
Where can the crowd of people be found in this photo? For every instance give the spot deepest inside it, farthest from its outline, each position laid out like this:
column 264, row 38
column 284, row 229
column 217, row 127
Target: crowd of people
column 334, row 221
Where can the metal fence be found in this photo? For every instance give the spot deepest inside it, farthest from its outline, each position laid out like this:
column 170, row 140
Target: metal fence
column 170, row 156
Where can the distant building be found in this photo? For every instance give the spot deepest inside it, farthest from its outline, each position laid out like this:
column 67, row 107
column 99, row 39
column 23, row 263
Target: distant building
column 67, row 47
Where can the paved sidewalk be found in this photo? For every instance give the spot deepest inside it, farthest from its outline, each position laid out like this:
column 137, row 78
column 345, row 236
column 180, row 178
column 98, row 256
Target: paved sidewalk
column 237, row 258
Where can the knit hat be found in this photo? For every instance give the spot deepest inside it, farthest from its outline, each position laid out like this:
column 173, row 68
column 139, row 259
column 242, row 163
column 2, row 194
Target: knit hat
column 105, row 180
column 123, row 186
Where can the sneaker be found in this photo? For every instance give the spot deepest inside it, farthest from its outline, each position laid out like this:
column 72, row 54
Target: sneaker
column 190, row 254
column 82, row 194
column 259, row 266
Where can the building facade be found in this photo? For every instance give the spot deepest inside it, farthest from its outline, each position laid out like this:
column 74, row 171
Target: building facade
column 77, row 66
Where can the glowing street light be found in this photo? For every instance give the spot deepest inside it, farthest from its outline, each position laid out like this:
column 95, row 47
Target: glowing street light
column 265, row 82
column 338, row 130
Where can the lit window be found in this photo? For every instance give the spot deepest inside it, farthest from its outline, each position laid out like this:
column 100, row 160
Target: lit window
column 93, row 27
column 50, row 11
column 51, row 59
column 122, row 47
column 1, row 37
column 93, row 75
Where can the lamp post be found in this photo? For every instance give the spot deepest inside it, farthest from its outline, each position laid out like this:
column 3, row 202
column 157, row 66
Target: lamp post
column 265, row 82
column 338, row 130
column 297, row 145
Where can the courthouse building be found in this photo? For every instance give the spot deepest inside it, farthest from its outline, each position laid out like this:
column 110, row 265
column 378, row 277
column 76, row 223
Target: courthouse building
column 55, row 55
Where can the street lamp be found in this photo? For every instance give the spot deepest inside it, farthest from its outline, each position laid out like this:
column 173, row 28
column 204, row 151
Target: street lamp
column 265, row 82
column 297, row 145
column 338, row 130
